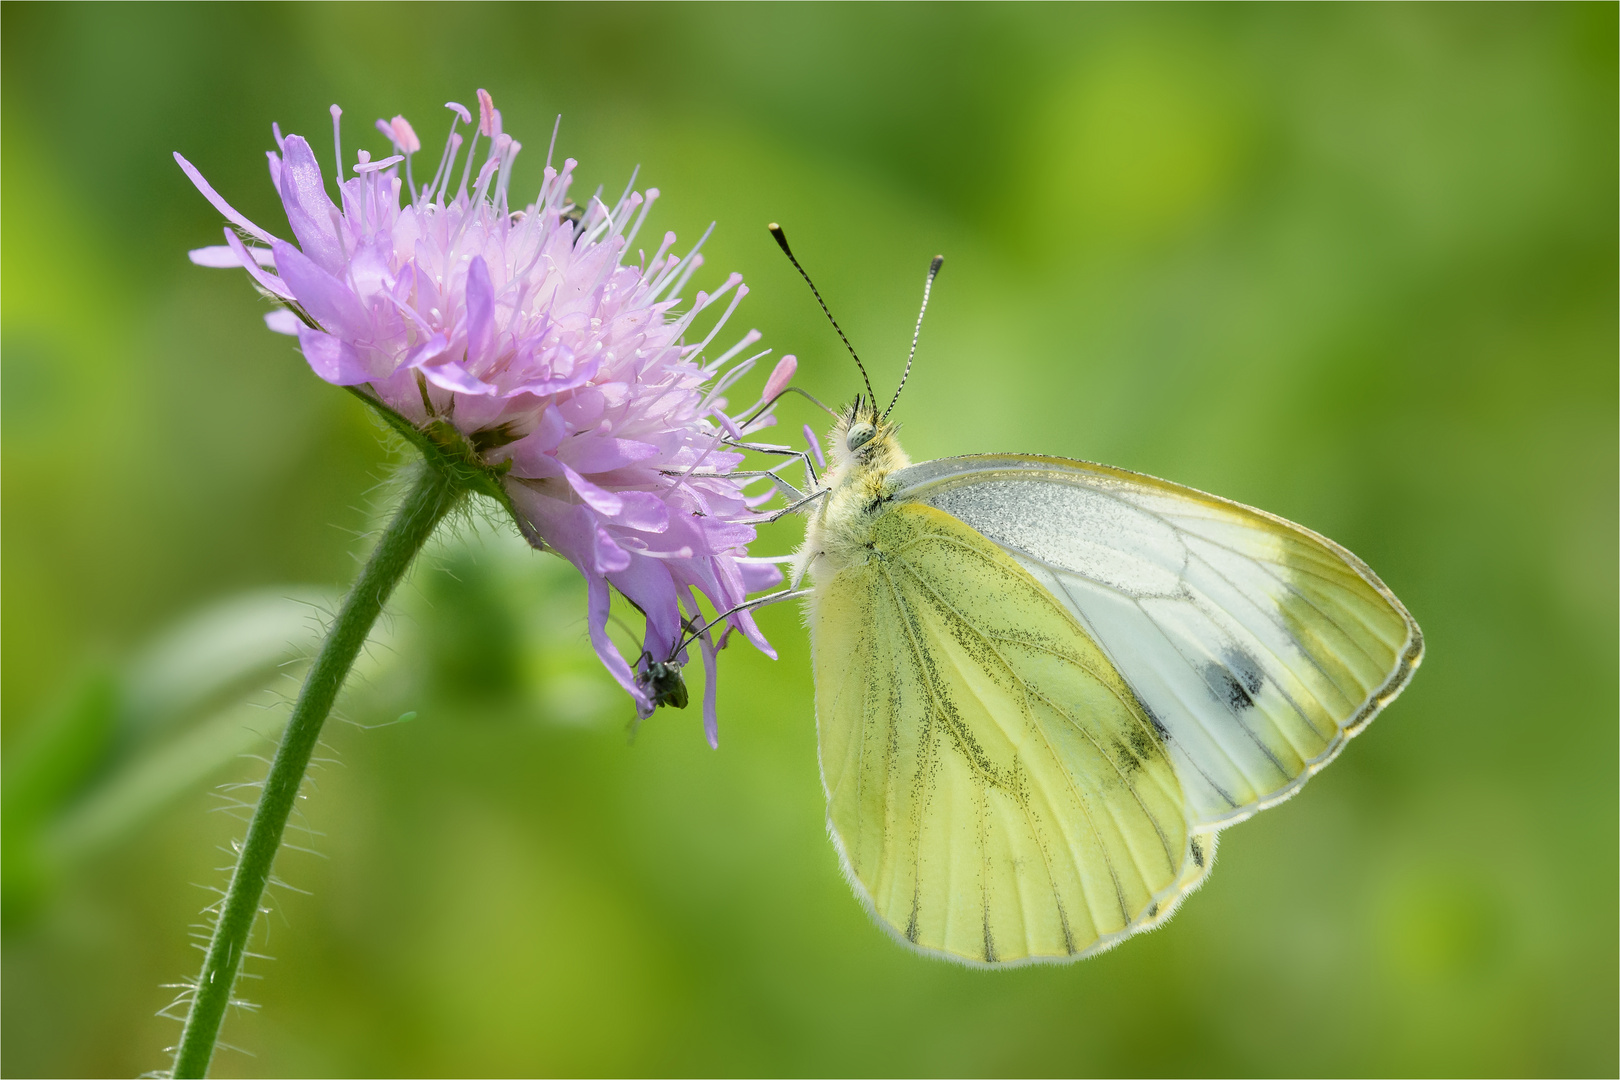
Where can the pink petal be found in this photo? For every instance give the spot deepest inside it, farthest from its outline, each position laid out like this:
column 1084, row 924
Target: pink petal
column 757, row 577
column 643, row 511
column 550, row 430
column 599, row 499
column 596, row 455
column 711, row 686
column 426, row 351
column 573, row 531
column 480, row 313
column 283, row 321
column 219, row 257
column 474, row 412
column 815, row 446
column 579, row 376
column 731, row 585
column 647, row 583
column 273, row 285
column 331, row 302
column 310, row 211
column 224, row 257
column 332, row 359
column 454, row 377
column 220, row 204
column 530, row 456
column 598, row 602
column 610, row 557
column 584, row 409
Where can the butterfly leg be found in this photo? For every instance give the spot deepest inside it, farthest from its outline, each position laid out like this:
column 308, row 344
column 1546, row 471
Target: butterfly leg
column 695, row 632
column 811, row 480
column 793, row 507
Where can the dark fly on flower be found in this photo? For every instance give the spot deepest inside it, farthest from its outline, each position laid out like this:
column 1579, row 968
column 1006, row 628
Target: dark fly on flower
column 662, row 682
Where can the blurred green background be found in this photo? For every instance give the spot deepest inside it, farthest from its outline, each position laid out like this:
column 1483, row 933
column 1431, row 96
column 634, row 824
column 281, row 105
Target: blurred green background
column 1353, row 264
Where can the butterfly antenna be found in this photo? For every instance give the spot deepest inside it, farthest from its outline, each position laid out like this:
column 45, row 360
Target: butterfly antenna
column 928, row 286
column 781, row 241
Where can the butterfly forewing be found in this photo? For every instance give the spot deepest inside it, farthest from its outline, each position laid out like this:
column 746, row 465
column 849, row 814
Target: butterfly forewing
column 996, row 790
column 1257, row 645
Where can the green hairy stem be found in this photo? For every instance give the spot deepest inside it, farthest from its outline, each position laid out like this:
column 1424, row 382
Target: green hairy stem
column 434, row 492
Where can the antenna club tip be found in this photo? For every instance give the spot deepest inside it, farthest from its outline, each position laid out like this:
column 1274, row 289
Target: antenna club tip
column 781, row 239
column 939, row 261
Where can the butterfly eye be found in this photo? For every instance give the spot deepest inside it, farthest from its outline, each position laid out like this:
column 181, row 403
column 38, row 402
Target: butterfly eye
column 859, row 436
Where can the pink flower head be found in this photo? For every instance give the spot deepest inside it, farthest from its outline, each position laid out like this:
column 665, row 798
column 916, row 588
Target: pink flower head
column 563, row 369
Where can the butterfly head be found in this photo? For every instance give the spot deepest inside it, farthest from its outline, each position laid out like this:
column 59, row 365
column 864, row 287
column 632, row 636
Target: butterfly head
column 863, row 441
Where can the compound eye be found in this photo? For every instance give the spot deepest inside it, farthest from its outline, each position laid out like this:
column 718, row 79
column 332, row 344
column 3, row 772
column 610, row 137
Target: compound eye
column 859, row 436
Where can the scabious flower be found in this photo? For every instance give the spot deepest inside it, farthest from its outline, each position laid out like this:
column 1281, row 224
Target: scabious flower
column 531, row 343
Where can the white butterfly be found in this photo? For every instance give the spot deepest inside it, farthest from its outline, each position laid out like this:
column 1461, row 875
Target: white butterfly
column 1044, row 686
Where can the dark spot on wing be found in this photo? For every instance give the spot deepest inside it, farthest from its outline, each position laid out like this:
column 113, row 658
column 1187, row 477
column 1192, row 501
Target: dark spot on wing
column 989, row 942
column 1198, row 852
column 1226, row 688
column 1244, row 669
column 1153, row 909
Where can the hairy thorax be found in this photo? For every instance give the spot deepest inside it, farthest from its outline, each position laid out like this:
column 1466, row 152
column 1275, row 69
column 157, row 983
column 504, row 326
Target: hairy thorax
column 839, row 531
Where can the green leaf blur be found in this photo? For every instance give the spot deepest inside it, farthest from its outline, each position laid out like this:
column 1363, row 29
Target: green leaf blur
column 1352, row 264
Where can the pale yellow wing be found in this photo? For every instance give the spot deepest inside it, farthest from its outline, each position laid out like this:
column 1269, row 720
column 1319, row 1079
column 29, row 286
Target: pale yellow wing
column 1259, row 646
column 996, row 792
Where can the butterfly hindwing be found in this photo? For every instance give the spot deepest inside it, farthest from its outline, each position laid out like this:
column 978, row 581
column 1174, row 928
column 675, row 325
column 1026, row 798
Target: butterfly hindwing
column 996, row 790
column 1257, row 644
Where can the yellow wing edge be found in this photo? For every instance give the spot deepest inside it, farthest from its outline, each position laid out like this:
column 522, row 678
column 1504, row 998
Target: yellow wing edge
column 1197, row 863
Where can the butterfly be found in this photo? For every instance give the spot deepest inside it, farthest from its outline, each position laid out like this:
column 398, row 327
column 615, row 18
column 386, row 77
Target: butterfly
column 1044, row 686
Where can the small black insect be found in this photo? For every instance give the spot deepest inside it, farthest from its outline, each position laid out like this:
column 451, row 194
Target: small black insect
column 664, row 683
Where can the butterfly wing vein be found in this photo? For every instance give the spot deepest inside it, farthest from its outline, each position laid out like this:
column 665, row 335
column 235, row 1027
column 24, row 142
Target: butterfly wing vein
column 996, row 791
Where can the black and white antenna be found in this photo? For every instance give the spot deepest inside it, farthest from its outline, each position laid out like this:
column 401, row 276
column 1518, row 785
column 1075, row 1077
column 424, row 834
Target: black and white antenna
column 781, row 240
column 928, row 286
